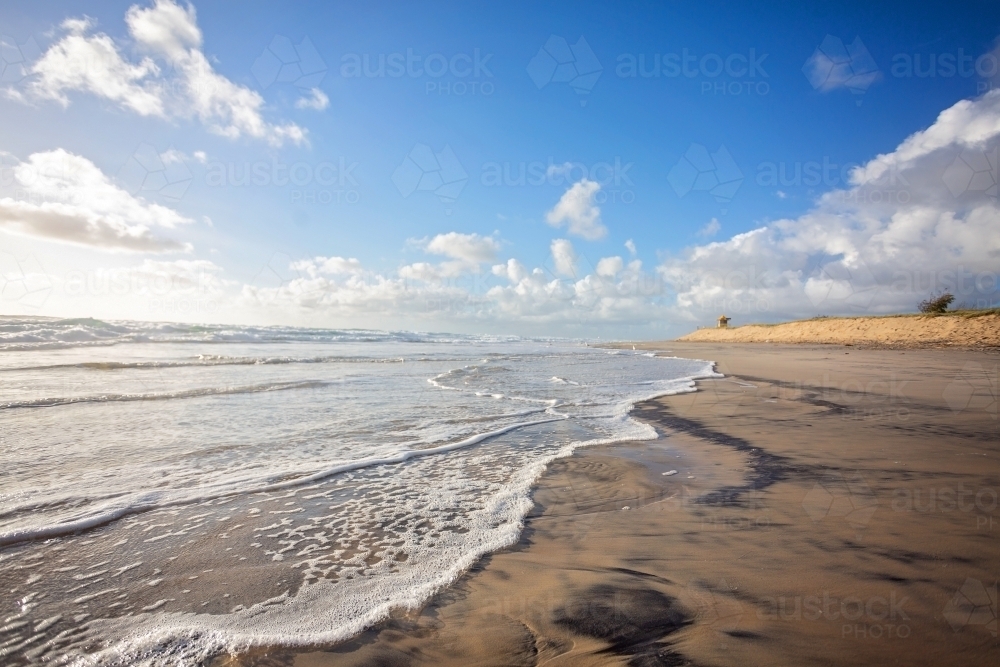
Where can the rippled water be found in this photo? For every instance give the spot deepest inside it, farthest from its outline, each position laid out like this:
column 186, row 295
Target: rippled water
column 171, row 492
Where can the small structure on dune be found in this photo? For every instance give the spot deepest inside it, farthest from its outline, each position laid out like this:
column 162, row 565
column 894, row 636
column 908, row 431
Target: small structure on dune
column 724, row 322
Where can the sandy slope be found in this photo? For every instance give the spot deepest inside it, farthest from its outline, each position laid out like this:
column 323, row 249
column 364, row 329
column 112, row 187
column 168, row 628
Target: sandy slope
column 895, row 331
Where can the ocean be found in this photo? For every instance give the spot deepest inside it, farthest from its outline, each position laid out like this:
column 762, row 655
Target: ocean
column 172, row 492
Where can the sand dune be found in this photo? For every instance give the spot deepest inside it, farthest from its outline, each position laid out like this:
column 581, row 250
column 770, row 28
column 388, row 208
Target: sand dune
column 980, row 329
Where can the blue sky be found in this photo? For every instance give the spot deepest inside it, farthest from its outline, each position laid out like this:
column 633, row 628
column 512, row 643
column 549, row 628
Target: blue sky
column 804, row 95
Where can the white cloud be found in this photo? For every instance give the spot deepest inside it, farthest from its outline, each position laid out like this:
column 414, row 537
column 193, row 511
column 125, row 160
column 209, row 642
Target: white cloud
column 710, row 229
column 357, row 296
column 93, row 64
column 65, row 197
column 628, row 296
column 630, row 245
column 513, row 271
column 968, row 123
column 165, row 28
column 877, row 246
column 182, row 85
column 323, row 289
column 471, row 248
column 915, row 220
column 609, row 267
column 328, row 265
column 577, row 209
column 564, row 257
column 422, row 271
column 467, row 252
column 317, row 100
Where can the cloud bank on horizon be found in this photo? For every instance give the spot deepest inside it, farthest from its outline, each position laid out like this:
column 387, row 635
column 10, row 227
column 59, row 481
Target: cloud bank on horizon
column 922, row 216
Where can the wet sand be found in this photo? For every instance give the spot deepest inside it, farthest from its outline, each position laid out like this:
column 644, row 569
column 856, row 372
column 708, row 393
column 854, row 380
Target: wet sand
column 831, row 506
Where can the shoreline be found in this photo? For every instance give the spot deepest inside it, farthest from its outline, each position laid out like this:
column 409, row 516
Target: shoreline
column 735, row 556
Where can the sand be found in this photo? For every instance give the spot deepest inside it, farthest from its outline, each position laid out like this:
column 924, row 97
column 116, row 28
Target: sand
column 831, row 506
column 899, row 331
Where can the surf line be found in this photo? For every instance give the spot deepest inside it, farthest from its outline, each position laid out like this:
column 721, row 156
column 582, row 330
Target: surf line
column 113, row 514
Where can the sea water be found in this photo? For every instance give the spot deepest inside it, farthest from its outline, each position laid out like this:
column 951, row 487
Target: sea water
column 171, row 492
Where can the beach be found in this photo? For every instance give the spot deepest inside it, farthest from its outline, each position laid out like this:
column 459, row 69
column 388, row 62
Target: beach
column 830, row 506
column 222, row 490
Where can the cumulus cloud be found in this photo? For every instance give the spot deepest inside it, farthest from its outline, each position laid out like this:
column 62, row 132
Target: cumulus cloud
column 316, row 100
column 173, row 79
column 879, row 244
column 578, row 211
column 66, row 197
column 919, row 219
column 625, row 294
column 466, row 253
column 356, row 295
column 609, row 267
column 967, row 124
column 511, row 294
column 630, row 246
column 327, row 265
column 564, row 257
column 471, row 248
column 513, row 270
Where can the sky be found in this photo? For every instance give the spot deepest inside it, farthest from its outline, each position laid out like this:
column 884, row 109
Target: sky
column 623, row 170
